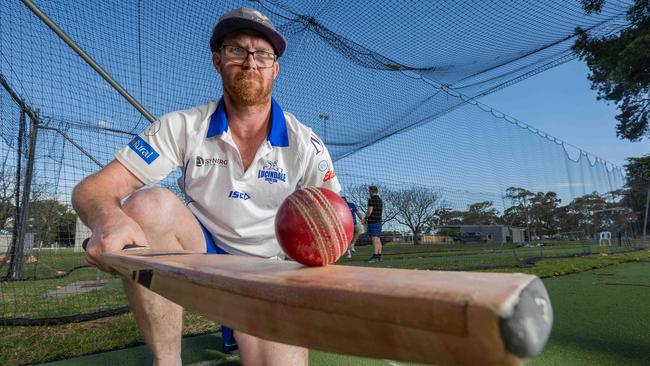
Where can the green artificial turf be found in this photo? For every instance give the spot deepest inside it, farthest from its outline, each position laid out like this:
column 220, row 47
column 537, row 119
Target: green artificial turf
column 204, row 351
column 29, row 298
column 194, row 350
column 601, row 317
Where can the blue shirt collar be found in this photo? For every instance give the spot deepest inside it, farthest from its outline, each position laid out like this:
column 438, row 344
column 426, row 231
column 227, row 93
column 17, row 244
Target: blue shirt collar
column 278, row 135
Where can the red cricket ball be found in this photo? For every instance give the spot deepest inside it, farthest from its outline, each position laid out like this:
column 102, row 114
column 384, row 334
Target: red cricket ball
column 314, row 226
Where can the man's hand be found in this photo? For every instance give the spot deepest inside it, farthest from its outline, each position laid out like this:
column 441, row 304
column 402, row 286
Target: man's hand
column 368, row 214
column 97, row 201
column 111, row 235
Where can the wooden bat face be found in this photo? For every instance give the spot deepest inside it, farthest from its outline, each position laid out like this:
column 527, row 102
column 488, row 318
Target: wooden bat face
column 450, row 318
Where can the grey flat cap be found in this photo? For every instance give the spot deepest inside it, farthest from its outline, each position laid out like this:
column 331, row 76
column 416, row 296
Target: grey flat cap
column 246, row 18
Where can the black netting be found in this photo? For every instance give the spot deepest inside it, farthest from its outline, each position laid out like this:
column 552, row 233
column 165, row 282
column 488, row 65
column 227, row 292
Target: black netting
column 391, row 87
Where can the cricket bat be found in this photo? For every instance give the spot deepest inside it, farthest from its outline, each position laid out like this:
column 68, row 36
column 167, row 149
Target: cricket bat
column 434, row 317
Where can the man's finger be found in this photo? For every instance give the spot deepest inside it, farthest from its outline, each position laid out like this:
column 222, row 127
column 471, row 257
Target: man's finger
column 134, row 246
column 100, row 266
column 91, row 261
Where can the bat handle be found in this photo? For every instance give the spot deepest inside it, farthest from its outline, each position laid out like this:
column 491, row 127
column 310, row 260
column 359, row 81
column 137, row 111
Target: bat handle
column 84, row 245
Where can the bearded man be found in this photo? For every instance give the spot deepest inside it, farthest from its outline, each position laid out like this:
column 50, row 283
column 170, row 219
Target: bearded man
column 240, row 157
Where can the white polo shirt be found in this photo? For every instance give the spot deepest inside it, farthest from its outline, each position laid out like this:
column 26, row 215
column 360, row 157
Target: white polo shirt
column 237, row 207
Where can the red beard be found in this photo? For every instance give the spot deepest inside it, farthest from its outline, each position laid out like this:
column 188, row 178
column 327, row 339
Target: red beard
column 248, row 88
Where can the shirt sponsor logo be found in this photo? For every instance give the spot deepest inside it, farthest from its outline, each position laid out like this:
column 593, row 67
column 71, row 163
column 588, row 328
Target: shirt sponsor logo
column 315, row 142
column 200, row 161
column 272, row 173
column 239, row 195
column 143, row 149
column 329, row 175
column 323, row 165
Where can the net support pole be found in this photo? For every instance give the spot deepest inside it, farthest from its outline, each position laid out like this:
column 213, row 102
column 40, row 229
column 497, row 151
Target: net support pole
column 645, row 217
column 71, row 141
column 17, row 260
column 23, row 106
column 89, row 60
column 17, row 183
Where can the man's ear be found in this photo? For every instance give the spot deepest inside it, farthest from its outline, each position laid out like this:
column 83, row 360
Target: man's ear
column 276, row 70
column 216, row 61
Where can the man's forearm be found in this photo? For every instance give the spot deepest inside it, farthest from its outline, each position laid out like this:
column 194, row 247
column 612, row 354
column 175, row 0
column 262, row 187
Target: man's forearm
column 92, row 201
column 98, row 196
column 368, row 213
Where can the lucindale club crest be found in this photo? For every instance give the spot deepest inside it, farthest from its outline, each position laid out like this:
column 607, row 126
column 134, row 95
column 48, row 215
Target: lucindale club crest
column 272, row 173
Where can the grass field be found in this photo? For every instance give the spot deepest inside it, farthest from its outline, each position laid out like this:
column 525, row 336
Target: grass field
column 29, row 298
column 601, row 317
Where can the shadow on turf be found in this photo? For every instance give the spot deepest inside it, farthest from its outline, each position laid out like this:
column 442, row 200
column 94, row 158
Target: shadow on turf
column 612, row 347
column 201, row 350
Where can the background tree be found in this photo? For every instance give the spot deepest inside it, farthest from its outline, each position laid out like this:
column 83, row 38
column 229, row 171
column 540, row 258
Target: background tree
column 51, row 222
column 481, row 213
column 447, row 217
column 537, row 212
column 417, row 208
column 358, row 194
column 519, row 213
column 619, row 67
column 66, row 225
column 619, row 217
column 448, row 232
column 636, row 187
column 586, row 211
column 7, row 194
column 568, row 224
column 543, row 213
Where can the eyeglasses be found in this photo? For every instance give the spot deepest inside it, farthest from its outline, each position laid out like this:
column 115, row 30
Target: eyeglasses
column 262, row 58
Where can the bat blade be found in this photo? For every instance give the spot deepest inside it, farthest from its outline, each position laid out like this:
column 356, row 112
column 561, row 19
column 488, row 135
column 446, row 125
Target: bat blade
column 436, row 317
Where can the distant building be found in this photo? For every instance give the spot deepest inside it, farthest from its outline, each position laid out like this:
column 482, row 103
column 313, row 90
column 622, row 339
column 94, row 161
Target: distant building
column 5, row 243
column 430, row 239
column 386, row 237
column 6, row 239
column 487, row 233
column 81, row 232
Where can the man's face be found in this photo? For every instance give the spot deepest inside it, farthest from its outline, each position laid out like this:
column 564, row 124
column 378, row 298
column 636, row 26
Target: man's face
column 247, row 83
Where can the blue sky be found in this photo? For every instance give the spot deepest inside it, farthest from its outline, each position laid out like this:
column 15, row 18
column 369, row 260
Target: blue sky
column 560, row 102
column 390, row 121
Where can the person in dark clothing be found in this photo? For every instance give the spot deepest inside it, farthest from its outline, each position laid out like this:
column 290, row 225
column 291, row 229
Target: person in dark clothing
column 357, row 227
column 373, row 220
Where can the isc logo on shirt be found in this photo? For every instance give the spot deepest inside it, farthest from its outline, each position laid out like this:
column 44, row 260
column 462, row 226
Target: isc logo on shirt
column 238, row 195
